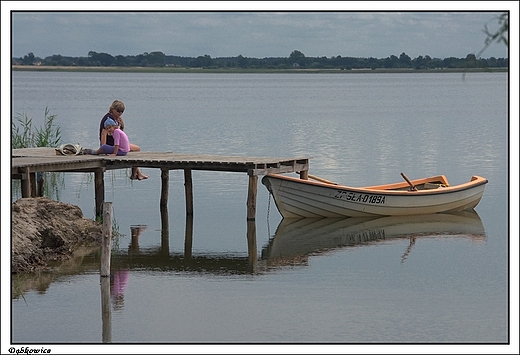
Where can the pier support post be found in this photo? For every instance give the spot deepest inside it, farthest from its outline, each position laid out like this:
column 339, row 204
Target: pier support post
column 163, row 206
column 33, row 184
column 165, row 224
column 251, row 197
column 165, row 237
column 39, row 184
column 25, row 182
column 188, row 187
column 304, row 174
column 252, row 251
column 188, row 240
column 99, row 190
column 106, row 246
column 165, row 184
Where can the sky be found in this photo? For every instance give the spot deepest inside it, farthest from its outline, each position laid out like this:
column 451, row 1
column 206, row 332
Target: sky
column 257, row 34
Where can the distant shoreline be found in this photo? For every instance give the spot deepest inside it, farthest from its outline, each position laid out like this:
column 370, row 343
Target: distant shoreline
column 251, row 71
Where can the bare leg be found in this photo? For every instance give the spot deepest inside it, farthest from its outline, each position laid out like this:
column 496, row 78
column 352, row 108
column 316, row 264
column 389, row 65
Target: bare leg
column 134, row 148
column 137, row 174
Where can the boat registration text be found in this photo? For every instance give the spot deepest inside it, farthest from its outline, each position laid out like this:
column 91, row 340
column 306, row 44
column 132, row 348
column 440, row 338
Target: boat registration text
column 357, row 197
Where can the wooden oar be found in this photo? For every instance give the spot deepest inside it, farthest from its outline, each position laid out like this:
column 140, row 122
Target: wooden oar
column 412, row 186
column 317, row 178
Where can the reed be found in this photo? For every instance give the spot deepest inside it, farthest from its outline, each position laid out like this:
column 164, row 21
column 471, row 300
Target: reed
column 25, row 135
column 17, row 289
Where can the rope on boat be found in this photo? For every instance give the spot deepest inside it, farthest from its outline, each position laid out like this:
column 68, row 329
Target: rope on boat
column 268, row 211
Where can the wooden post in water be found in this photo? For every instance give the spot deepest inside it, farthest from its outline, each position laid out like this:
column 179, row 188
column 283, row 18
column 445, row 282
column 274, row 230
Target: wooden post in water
column 26, row 182
column 251, row 197
column 252, row 251
column 33, row 184
column 188, row 240
column 99, row 190
column 163, row 207
column 304, row 174
column 165, row 242
column 106, row 314
column 39, row 184
column 165, row 226
column 165, row 184
column 188, row 188
column 106, row 246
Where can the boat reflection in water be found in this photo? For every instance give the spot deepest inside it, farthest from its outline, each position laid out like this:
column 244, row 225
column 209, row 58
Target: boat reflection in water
column 296, row 239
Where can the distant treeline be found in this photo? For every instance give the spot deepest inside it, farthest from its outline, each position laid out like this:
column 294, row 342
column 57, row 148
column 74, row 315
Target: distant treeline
column 295, row 60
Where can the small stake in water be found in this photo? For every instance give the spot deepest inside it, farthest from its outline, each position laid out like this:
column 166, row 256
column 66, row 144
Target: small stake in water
column 106, row 246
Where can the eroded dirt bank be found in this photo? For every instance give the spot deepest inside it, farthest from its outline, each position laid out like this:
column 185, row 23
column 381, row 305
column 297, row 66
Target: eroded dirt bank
column 45, row 230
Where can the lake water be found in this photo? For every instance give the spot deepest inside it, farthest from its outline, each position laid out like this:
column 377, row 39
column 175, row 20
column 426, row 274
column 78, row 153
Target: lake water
column 430, row 282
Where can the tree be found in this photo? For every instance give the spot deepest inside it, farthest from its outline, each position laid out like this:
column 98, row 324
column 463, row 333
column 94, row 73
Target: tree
column 471, row 60
column 405, row 60
column 102, row 58
column 202, row 61
column 28, row 59
column 120, row 61
column 156, row 58
column 297, row 57
column 500, row 35
column 242, row 62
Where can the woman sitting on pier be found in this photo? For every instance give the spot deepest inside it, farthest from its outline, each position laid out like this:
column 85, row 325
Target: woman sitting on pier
column 115, row 112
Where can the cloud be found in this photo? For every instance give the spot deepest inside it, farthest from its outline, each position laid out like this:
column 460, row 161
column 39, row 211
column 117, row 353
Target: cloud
column 253, row 34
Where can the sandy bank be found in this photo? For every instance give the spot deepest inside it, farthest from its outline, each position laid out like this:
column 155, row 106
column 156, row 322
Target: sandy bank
column 43, row 230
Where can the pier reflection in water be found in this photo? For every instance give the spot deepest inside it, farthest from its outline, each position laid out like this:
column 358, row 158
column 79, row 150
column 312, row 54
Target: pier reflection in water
column 112, row 289
column 160, row 258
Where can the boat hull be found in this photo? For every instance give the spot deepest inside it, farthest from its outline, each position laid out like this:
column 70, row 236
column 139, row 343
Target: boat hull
column 297, row 198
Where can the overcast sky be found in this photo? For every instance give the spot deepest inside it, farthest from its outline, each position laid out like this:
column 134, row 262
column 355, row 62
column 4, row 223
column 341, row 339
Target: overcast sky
column 254, row 34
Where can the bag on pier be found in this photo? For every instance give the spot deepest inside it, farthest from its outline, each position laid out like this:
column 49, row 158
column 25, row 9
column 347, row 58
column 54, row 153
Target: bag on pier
column 69, row 149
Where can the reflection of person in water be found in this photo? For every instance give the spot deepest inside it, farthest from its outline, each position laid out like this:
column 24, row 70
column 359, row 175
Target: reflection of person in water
column 135, row 232
column 118, row 282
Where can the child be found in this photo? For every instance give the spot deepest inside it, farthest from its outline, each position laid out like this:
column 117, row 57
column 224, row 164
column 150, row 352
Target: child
column 121, row 146
column 121, row 142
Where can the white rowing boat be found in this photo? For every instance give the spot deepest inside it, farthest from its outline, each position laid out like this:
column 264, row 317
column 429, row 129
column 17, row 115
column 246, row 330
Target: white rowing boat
column 296, row 198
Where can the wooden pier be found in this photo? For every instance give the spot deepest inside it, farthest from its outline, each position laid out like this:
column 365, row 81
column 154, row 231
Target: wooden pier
column 25, row 163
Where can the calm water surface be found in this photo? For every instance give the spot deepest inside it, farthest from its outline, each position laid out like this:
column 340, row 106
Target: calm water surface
column 427, row 281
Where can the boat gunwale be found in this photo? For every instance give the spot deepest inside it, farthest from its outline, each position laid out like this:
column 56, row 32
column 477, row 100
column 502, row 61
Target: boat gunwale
column 377, row 189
